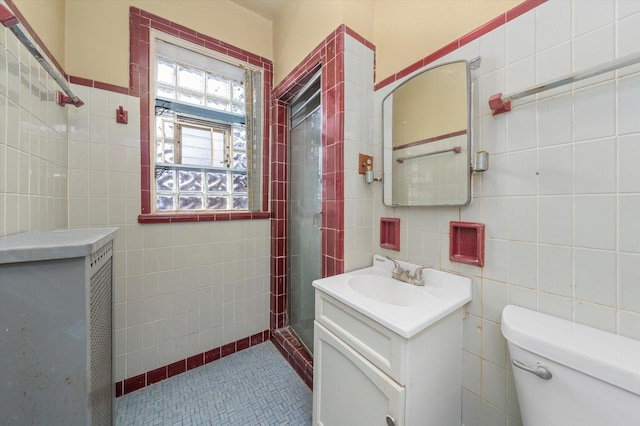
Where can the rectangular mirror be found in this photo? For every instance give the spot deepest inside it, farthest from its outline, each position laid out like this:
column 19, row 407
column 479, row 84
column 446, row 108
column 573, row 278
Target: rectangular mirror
column 427, row 138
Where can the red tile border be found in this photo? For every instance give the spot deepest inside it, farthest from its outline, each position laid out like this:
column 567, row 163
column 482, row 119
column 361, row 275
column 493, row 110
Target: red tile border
column 176, row 368
column 496, row 22
column 196, row 361
column 201, row 217
column 98, row 85
column 295, row 354
column 523, row 8
column 134, row 383
column 140, row 24
column 212, row 355
column 157, row 375
column 228, row 349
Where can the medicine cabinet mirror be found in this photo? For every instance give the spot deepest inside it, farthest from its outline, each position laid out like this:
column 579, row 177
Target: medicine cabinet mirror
column 427, row 138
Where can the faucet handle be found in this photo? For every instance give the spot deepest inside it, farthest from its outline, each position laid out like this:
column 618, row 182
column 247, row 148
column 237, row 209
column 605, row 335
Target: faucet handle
column 417, row 275
column 398, row 272
column 396, row 266
column 395, row 262
column 418, row 272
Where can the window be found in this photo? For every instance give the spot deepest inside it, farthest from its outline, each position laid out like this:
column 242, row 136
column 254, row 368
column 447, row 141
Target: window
column 207, row 133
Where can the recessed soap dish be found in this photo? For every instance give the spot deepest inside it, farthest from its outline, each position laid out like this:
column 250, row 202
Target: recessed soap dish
column 466, row 243
column 390, row 233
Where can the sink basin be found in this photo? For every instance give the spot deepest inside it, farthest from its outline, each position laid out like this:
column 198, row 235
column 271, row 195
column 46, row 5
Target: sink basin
column 403, row 308
column 387, row 290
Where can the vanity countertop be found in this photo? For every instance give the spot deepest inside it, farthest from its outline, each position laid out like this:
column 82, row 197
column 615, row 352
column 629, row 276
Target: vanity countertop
column 403, row 308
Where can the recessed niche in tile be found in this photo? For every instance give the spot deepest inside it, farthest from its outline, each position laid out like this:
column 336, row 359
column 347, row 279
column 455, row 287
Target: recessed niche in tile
column 466, row 243
column 390, row 233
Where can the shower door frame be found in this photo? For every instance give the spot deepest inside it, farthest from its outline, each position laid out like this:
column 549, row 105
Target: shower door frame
column 302, row 283
column 328, row 57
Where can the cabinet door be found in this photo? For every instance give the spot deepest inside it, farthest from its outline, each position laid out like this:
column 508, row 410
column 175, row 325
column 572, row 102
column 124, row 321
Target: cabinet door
column 349, row 390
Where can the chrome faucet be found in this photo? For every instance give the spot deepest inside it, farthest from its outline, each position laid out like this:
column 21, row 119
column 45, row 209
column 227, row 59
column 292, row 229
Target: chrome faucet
column 404, row 275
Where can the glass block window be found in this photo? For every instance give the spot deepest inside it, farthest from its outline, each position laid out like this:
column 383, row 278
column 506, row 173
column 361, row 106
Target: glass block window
column 206, row 132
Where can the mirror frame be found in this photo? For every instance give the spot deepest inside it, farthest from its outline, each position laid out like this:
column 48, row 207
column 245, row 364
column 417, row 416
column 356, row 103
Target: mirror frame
column 387, row 196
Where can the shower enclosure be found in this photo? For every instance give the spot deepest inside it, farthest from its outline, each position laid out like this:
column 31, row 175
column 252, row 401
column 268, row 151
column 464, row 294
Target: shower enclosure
column 304, row 212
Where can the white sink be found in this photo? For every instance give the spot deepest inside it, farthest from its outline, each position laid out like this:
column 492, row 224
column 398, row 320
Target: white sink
column 403, row 308
column 387, row 290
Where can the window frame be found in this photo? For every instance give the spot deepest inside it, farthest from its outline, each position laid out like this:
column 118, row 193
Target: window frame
column 199, row 113
column 143, row 33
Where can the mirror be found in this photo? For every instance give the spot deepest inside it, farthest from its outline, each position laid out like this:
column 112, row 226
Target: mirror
column 427, row 138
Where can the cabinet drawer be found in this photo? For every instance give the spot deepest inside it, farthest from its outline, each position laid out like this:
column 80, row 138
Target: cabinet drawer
column 380, row 346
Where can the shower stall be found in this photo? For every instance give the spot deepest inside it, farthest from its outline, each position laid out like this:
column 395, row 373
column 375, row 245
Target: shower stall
column 304, row 211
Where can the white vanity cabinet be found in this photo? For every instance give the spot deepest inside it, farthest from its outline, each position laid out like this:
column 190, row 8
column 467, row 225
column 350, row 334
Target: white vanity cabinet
column 366, row 374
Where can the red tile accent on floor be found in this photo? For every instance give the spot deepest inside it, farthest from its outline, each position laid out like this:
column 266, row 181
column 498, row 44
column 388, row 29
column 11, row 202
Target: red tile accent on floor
column 134, row 383
column 498, row 21
column 157, row 375
column 228, row 349
column 140, row 24
column 212, row 355
column 243, row 343
column 154, row 376
column 295, row 354
column 176, row 368
column 195, row 361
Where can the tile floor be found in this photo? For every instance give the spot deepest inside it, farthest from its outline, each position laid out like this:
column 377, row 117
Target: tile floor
column 255, row 386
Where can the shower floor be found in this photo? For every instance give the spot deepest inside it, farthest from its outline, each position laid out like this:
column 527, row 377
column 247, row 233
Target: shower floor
column 255, row 386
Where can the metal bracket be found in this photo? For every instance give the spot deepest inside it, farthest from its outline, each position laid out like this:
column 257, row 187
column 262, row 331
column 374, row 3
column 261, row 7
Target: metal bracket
column 62, row 99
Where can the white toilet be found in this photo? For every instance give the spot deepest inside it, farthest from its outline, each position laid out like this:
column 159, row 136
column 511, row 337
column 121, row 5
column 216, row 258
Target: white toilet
column 568, row 374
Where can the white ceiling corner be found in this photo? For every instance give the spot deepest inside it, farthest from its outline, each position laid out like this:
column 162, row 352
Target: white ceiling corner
column 268, row 9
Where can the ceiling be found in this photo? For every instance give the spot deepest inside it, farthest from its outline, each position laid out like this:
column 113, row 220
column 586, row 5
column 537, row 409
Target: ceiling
column 266, row 8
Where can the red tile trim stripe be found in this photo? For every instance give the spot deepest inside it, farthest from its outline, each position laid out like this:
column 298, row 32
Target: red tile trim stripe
column 154, row 376
column 140, row 24
column 295, row 354
column 498, row 21
column 430, row 140
column 98, row 85
column 201, row 217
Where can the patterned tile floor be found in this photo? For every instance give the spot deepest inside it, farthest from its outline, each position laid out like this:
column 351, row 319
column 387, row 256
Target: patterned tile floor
column 255, row 386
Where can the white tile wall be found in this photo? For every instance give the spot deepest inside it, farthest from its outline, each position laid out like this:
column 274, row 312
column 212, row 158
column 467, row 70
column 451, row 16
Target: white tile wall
column 358, row 197
column 180, row 288
column 561, row 199
column 33, row 143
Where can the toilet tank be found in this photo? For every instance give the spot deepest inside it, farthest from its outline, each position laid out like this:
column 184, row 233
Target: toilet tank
column 595, row 375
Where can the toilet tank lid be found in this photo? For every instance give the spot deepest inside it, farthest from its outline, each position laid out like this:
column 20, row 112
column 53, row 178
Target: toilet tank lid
column 611, row 358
